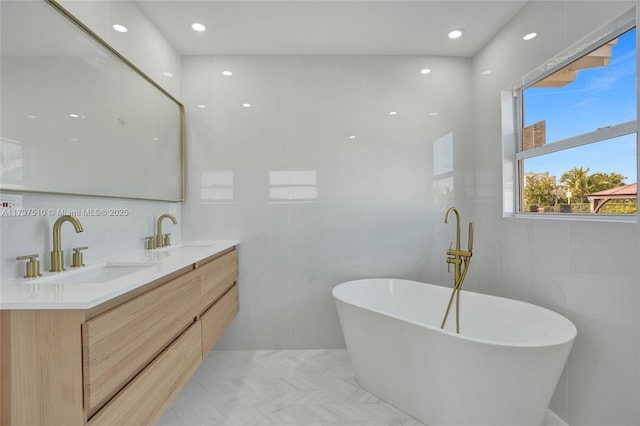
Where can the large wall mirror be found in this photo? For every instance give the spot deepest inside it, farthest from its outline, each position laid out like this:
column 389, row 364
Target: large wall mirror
column 76, row 117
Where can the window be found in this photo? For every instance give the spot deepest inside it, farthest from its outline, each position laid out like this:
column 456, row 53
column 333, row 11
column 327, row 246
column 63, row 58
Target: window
column 576, row 127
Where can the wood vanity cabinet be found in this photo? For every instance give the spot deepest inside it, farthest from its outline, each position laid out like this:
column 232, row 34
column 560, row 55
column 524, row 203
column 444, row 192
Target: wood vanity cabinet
column 118, row 363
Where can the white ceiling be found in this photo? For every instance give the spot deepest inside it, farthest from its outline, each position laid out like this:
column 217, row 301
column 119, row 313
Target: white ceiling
column 389, row 27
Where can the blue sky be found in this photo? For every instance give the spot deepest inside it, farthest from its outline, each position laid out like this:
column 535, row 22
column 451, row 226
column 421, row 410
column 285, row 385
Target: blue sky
column 598, row 97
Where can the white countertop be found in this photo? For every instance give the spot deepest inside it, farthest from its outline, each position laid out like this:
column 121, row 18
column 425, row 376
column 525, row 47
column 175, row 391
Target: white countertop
column 84, row 288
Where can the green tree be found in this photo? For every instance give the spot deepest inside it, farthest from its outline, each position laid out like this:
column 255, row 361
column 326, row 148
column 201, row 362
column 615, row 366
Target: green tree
column 540, row 190
column 620, row 207
column 577, row 181
column 602, row 181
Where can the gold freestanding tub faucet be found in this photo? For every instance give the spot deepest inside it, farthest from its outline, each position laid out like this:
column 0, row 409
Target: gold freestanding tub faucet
column 57, row 260
column 460, row 260
column 161, row 240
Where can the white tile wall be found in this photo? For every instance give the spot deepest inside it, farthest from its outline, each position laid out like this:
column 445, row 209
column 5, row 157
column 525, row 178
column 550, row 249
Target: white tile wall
column 585, row 270
column 367, row 206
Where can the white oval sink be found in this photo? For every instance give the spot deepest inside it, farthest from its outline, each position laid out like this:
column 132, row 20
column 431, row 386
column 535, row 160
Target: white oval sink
column 192, row 245
column 96, row 274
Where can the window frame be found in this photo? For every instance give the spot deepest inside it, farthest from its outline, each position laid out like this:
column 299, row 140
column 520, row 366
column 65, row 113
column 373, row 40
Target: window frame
column 513, row 110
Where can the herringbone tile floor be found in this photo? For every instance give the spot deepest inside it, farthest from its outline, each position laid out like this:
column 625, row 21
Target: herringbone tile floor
column 310, row 387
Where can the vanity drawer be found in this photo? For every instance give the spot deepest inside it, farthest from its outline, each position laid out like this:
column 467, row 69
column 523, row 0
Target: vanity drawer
column 216, row 277
column 217, row 318
column 146, row 397
column 122, row 341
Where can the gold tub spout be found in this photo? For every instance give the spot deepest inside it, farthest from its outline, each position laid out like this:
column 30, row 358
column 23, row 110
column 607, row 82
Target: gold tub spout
column 446, row 220
column 460, row 260
column 454, row 256
column 57, row 261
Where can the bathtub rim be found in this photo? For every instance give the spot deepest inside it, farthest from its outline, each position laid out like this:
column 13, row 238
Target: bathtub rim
column 569, row 340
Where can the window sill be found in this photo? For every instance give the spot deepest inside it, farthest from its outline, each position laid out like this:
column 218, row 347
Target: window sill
column 631, row 218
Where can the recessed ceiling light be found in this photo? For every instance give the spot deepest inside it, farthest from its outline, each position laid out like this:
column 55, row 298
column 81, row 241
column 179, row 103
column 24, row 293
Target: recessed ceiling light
column 486, row 72
column 530, row 36
column 168, row 74
column 198, row 27
column 202, row 106
column 120, row 28
column 246, row 105
column 352, row 137
column 31, row 116
column 425, row 71
column 227, row 73
column 74, row 115
column 74, row 139
column 393, row 113
column 156, row 139
column 457, row 33
column 433, row 113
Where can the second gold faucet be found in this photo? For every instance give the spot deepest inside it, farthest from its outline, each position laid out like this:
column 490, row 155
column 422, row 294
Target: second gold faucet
column 163, row 240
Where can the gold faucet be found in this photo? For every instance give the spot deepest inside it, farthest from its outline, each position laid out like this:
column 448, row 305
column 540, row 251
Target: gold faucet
column 460, row 260
column 57, row 261
column 161, row 240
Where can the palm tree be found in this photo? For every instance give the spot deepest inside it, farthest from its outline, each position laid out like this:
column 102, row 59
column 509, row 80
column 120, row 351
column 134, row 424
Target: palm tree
column 577, row 181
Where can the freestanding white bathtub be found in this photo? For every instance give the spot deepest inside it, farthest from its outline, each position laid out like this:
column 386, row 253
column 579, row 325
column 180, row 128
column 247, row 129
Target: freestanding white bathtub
column 501, row 369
